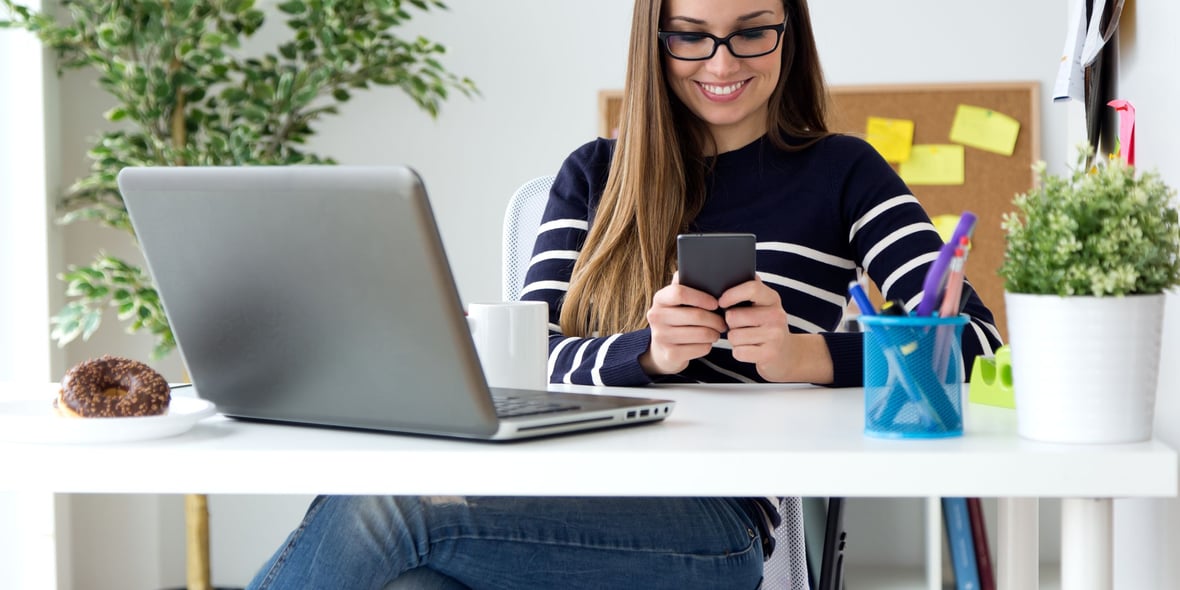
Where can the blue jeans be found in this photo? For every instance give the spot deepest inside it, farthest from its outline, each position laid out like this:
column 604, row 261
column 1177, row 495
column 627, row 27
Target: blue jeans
column 358, row 542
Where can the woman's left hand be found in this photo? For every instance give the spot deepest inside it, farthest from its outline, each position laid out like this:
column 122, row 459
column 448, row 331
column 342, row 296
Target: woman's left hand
column 759, row 334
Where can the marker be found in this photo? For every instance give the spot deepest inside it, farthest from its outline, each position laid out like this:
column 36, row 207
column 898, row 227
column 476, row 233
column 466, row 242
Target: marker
column 862, row 300
column 893, row 307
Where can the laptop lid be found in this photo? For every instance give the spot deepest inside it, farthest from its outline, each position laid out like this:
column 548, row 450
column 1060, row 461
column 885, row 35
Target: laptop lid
column 318, row 295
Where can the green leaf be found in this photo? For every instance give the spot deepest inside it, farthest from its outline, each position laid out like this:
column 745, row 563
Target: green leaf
column 90, row 323
column 293, row 7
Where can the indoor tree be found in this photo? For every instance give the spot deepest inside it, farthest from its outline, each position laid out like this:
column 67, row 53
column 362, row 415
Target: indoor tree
column 187, row 94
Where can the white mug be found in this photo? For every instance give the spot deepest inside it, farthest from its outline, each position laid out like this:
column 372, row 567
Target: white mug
column 512, row 339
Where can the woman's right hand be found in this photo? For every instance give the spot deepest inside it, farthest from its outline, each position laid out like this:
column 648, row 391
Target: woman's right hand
column 683, row 327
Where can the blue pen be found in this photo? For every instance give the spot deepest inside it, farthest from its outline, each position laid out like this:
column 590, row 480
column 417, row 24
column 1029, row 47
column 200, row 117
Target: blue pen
column 861, row 299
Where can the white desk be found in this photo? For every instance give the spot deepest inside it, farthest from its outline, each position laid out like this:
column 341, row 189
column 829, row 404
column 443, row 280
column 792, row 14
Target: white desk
column 721, row 440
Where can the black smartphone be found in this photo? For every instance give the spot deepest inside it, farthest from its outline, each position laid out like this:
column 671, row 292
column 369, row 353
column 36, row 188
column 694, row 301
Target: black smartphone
column 715, row 262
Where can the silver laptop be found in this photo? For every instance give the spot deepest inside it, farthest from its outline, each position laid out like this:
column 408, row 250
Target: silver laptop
column 321, row 295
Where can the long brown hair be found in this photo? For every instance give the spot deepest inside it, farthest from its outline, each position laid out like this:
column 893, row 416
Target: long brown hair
column 656, row 184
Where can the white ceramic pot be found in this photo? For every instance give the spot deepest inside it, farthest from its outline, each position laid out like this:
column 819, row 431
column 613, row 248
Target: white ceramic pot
column 1085, row 369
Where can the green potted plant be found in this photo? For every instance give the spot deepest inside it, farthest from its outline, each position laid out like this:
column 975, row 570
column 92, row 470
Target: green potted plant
column 186, row 94
column 1088, row 258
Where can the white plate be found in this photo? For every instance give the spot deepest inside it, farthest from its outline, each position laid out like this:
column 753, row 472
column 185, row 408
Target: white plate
column 35, row 421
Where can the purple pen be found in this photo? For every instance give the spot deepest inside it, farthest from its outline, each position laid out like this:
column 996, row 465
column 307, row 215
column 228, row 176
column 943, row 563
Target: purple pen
column 937, row 275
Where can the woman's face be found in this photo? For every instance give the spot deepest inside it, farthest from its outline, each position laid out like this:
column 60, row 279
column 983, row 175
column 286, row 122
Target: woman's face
column 728, row 93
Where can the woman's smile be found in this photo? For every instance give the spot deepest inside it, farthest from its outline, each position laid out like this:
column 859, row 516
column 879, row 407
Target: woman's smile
column 722, row 92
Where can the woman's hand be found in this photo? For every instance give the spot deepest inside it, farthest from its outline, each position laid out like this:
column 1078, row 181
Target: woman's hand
column 758, row 334
column 683, row 327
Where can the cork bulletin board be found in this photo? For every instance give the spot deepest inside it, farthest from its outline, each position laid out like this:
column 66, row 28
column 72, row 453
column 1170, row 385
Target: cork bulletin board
column 990, row 179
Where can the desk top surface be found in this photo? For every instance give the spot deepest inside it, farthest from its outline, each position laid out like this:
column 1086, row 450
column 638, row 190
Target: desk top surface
column 720, row 440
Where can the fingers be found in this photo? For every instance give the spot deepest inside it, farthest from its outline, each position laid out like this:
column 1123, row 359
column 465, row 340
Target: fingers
column 753, row 292
column 758, row 332
column 682, row 328
column 676, row 295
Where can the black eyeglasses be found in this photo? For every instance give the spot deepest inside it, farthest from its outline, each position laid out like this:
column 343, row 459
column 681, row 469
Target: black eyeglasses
column 696, row 46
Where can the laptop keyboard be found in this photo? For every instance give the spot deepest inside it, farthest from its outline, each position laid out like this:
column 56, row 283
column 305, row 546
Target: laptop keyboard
column 510, row 406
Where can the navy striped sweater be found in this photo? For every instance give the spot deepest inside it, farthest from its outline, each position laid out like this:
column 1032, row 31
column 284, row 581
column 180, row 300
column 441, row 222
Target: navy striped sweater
column 821, row 215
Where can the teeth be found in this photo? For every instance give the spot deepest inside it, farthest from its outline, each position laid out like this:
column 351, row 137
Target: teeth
column 722, row 90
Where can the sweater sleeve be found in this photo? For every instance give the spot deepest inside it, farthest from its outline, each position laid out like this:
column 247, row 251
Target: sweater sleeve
column 895, row 243
column 602, row 360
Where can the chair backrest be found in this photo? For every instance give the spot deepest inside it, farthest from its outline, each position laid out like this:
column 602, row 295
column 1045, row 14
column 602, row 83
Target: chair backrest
column 521, row 221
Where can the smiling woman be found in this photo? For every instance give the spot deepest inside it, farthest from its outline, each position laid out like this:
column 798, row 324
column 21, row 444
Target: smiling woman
column 729, row 89
column 722, row 129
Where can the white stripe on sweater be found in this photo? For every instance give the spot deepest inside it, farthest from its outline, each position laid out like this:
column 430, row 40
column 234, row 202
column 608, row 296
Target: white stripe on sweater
column 806, row 326
column 553, row 354
column 806, row 252
column 878, row 210
column 554, row 255
column 576, row 362
column 581, row 224
column 543, row 285
column 836, row 299
column 891, row 239
column 983, row 342
column 903, row 269
column 600, row 359
column 738, row 376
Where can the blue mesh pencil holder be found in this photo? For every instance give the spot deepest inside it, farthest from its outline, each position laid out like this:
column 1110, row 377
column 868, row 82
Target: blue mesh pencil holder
column 913, row 376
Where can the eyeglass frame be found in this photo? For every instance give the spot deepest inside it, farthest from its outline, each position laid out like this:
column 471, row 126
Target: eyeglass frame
column 780, row 28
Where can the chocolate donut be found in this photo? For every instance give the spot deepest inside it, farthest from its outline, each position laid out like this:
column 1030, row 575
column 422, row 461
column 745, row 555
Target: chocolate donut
column 112, row 387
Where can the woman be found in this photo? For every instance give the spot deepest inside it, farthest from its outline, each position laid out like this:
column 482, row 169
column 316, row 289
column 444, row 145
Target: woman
column 723, row 130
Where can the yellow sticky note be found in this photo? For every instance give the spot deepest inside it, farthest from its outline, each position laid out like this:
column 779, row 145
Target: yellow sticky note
column 893, row 138
column 985, row 129
column 945, row 225
column 933, row 164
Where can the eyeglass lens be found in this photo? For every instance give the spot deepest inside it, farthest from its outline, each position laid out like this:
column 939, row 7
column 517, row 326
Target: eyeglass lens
column 751, row 42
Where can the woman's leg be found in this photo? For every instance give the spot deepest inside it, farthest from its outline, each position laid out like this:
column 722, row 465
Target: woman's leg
column 424, row 578
column 521, row 543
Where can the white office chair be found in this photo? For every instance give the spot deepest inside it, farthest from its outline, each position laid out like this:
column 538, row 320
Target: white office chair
column 522, row 219
column 787, row 569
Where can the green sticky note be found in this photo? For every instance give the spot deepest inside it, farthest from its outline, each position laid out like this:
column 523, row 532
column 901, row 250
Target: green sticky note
column 985, row 129
column 893, row 138
column 933, row 164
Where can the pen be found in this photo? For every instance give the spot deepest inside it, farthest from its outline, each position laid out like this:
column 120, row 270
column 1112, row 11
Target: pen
column 949, row 308
column 861, row 299
column 954, row 286
column 886, row 409
column 936, row 277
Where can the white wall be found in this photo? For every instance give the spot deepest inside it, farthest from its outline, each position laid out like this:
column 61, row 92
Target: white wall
column 29, row 247
column 1148, row 531
column 540, row 64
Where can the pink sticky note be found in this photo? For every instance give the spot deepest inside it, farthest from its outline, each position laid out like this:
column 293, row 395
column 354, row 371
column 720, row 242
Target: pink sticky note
column 1126, row 129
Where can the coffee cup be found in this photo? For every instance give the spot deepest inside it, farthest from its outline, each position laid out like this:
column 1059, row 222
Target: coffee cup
column 512, row 339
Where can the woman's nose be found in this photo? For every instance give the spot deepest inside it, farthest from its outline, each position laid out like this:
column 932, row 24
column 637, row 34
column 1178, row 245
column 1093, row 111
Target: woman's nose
column 723, row 62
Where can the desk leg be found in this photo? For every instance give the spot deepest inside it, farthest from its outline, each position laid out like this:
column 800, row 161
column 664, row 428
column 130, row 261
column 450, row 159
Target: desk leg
column 196, row 521
column 1087, row 551
column 1018, row 552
